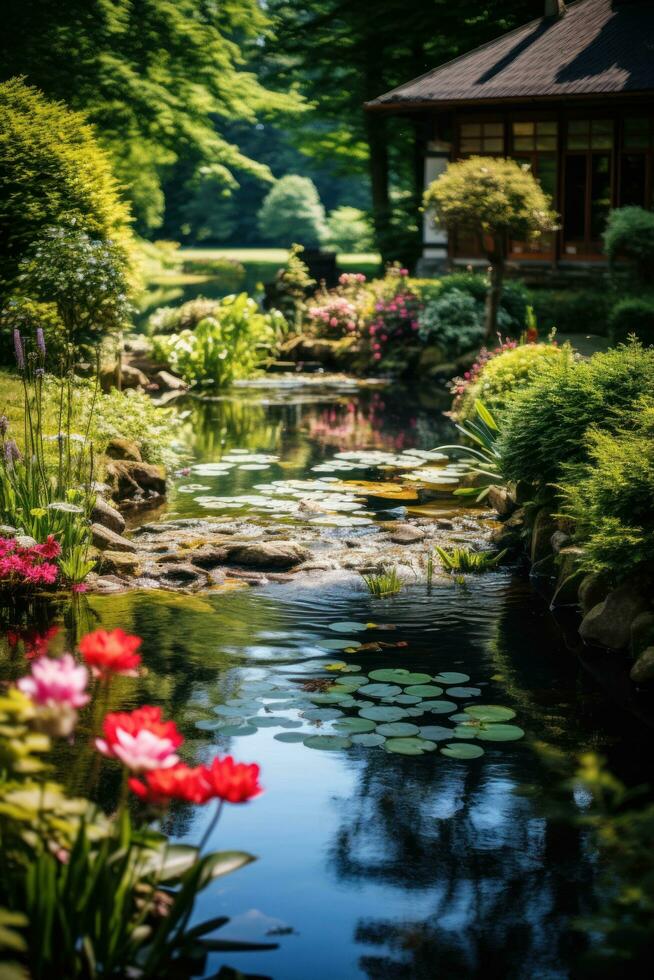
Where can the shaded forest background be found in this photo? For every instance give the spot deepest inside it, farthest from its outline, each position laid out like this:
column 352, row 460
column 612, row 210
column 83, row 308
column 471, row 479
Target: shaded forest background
column 203, row 104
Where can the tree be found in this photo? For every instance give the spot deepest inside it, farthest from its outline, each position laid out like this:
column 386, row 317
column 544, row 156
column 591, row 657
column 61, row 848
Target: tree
column 292, row 212
column 349, row 230
column 497, row 200
column 157, row 78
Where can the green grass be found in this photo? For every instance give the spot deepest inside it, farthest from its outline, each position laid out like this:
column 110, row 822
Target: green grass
column 464, row 560
column 276, row 255
column 386, row 583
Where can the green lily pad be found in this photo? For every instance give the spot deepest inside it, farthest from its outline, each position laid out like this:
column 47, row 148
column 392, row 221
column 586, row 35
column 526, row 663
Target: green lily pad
column 463, row 692
column 403, row 699
column 229, row 711
column 380, row 690
column 462, row 750
column 368, row 739
column 331, row 743
column 397, row 729
column 352, row 627
column 238, row 730
column 408, row 746
column 435, row 733
column 439, row 707
column 451, row 677
column 338, row 644
column 499, row 733
column 424, row 690
column 209, row 725
column 273, row 721
column 290, row 736
column 490, row 712
column 322, row 714
column 382, row 713
column 415, row 710
column 465, row 731
column 398, row 675
column 358, row 726
column 320, row 698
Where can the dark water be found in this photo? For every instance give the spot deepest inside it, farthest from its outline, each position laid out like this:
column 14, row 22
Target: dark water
column 370, row 864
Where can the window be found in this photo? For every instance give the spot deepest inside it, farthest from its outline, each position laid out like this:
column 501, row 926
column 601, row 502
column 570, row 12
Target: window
column 481, row 137
column 590, row 134
column 637, row 134
column 539, row 135
column 636, row 161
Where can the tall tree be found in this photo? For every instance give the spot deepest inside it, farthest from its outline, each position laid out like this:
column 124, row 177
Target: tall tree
column 157, row 78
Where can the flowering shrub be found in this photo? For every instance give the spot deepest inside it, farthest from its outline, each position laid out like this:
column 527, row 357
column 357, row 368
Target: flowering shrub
column 27, row 567
column 351, row 280
column 334, row 317
column 114, row 899
column 394, row 319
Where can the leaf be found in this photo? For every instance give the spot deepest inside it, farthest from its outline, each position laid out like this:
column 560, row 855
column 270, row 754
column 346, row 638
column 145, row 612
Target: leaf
column 330, row 743
column 179, row 858
column 490, row 712
column 462, row 750
column 485, row 415
column 221, row 863
column 499, row 733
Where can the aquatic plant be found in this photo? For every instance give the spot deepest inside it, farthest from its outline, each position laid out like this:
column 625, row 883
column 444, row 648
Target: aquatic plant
column 384, row 583
column 483, row 459
column 465, row 560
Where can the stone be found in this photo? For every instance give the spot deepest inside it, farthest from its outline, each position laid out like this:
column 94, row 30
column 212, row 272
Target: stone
column 123, row 449
column 208, row 557
column 541, row 533
column 559, row 540
column 103, row 513
column 593, row 588
column 25, row 541
column 107, row 540
column 182, row 574
column 500, row 499
column 119, row 563
column 642, row 671
column 608, row 624
column 406, row 534
column 566, row 591
column 128, row 477
column 267, row 554
column 169, row 382
column 642, row 633
column 130, row 377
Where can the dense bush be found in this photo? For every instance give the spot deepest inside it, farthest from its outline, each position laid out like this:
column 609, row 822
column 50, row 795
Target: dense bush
column 629, row 234
column 573, row 310
column 610, row 497
column 503, row 375
column 50, row 166
column 453, row 321
column 348, row 230
column 225, row 346
column 545, row 426
column 292, row 212
column 633, row 316
column 170, row 319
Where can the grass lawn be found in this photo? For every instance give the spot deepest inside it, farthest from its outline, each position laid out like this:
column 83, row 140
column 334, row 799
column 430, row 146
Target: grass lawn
column 276, row 256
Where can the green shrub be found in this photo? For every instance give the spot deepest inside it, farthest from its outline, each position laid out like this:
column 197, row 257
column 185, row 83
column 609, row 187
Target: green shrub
column 453, row 321
column 229, row 273
column 292, row 212
column 170, row 319
column 629, row 234
column 633, row 316
column 348, row 230
column 502, row 376
column 610, row 497
column 573, row 310
column 50, row 166
column 224, row 346
column 546, row 424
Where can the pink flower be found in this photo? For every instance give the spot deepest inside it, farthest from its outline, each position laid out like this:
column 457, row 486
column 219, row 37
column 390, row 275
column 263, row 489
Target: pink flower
column 55, row 682
column 49, row 549
column 140, row 739
column 376, row 356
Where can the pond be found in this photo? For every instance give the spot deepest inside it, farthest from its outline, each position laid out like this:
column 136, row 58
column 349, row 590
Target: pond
column 372, row 863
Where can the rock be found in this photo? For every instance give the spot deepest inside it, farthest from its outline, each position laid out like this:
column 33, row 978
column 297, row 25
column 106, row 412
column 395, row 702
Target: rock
column 444, row 524
column 541, row 534
column 406, row 534
column 148, row 476
column 107, row 540
column 123, row 449
column 25, row 541
column 103, row 513
column 267, row 554
column 642, row 671
column 128, row 477
column 207, row 557
column 500, row 499
column 608, row 624
column 642, row 633
column 559, row 540
column 593, row 588
column 131, row 377
column 181, row 574
column 119, row 563
column 109, row 583
column 168, row 381
column 566, row 592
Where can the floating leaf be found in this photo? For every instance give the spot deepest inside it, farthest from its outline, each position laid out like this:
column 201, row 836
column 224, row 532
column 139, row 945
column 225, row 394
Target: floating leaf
column 227, row 711
column 463, row 692
column 465, row 731
column 329, row 742
column 499, row 733
column 357, row 726
column 351, row 627
column 397, row 729
column 424, row 690
column 490, row 712
column 322, row 714
column 323, row 698
column 290, row 736
column 238, row 730
column 380, row 690
column 273, row 721
column 209, row 725
column 339, row 644
column 408, row 746
column 384, row 491
column 435, row 733
column 369, row 740
column 451, row 677
column 439, row 707
column 398, row 675
column 462, row 750
column 404, row 699
column 382, row 713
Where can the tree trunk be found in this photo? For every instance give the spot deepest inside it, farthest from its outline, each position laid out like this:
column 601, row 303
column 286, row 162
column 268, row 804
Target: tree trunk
column 494, row 295
column 378, row 148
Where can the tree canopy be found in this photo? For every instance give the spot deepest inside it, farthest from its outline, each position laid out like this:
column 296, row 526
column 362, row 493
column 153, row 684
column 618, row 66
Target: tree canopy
column 292, row 212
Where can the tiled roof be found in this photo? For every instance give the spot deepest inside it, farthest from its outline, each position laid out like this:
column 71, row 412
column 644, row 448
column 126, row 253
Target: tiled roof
column 596, row 47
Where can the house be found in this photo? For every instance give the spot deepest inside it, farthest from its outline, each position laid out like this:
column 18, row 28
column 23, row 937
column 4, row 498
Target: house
column 571, row 95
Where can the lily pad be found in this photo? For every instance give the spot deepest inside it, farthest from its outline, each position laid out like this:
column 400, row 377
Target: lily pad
column 408, row 746
column 463, row 692
column 500, row 733
column 439, row 707
column 273, row 721
column 230, row 711
column 290, row 736
column 435, row 733
column 209, row 725
column 358, row 726
column 398, row 675
column 397, row 729
column 403, row 699
column 465, row 731
column 382, row 713
column 320, row 698
column 462, row 750
column 424, row 690
column 351, row 627
column 384, row 491
column 238, row 730
column 380, row 690
column 322, row 714
column 451, row 677
column 490, row 712
column 368, row 739
column 331, row 743
column 336, row 644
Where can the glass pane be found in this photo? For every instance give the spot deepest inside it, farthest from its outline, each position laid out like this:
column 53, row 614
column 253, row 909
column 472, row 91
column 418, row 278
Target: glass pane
column 546, row 143
column 547, row 175
column 632, row 179
column 636, row 133
column 494, row 146
column 577, row 142
column 601, row 126
column 523, row 128
column 523, row 143
column 601, row 134
column 494, row 129
column 470, row 129
column 578, row 126
column 574, row 217
column 600, row 193
column 471, row 146
column 547, row 127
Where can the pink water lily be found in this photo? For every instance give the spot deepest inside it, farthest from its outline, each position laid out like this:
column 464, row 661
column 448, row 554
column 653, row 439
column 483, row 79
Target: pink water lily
column 56, row 682
column 140, row 752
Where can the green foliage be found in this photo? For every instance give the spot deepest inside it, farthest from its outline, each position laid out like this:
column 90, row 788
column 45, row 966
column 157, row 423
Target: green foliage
column 502, row 376
column 491, row 196
column 128, row 414
column 291, row 287
column 224, row 346
column 464, row 560
column 292, row 212
column 384, row 583
column 348, row 230
column 545, row 425
column 570, row 310
column 50, row 166
column 169, row 319
column 629, row 234
column 453, row 321
column 633, row 316
column 482, row 459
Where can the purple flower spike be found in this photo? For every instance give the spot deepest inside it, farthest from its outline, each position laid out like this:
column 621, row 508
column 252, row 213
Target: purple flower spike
column 40, row 341
column 4, row 425
column 18, row 348
column 12, row 452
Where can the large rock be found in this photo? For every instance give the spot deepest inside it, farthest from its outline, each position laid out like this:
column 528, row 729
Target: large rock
column 180, row 575
column 501, row 500
column 127, row 477
column 267, row 554
column 642, row 633
column 406, row 534
column 541, row 534
column 593, row 588
column 608, row 624
column 131, row 377
column 123, row 449
column 168, row 381
column 642, row 671
column 122, row 563
column 107, row 540
column 103, row 513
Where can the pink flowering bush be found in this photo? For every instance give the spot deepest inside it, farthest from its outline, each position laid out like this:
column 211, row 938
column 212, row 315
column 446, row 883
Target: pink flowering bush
column 394, row 319
column 334, row 316
column 28, row 567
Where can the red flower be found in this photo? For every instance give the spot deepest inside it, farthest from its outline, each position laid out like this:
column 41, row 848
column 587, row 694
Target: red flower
column 111, row 653
column 232, row 781
column 140, row 739
column 49, row 549
column 180, row 782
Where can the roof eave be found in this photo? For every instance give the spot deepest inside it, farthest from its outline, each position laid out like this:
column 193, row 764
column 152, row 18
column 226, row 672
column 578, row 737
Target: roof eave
column 436, row 105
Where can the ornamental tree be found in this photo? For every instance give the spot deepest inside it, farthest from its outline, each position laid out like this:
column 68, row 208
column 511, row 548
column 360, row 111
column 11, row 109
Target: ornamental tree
column 496, row 200
column 292, row 212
